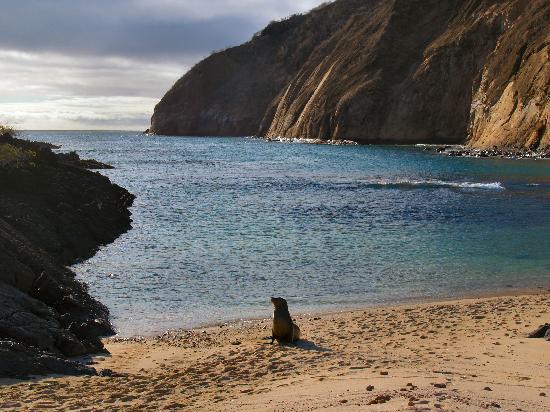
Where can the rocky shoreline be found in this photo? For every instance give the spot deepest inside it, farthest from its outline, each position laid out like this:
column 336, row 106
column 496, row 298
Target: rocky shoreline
column 333, row 142
column 53, row 213
column 465, row 151
column 448, row 150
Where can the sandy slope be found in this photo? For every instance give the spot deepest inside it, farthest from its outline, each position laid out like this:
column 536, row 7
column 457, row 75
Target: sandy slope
column 459, row 355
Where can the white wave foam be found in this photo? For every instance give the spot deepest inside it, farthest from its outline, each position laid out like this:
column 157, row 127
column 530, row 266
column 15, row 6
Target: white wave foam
column 493, row 185
column 435, row 183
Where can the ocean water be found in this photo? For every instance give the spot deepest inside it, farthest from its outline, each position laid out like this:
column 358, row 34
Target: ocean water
column 222, row 224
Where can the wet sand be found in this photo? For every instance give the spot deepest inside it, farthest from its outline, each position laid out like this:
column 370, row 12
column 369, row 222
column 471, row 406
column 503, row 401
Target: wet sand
column 461, row 355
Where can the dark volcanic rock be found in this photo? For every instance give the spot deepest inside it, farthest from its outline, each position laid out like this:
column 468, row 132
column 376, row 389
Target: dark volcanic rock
column 74, row 159
column 378, row 71
column 52, row 214
column 540, row 332
column 19, row 361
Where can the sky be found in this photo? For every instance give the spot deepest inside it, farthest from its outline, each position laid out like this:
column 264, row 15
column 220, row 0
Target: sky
column 104, row 64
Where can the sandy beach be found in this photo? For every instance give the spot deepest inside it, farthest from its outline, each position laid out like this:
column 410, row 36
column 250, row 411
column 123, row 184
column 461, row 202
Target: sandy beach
column 467, row 354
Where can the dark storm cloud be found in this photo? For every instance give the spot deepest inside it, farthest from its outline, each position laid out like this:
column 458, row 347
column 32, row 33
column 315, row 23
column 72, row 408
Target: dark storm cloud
column 81, row 64
column 123, row 28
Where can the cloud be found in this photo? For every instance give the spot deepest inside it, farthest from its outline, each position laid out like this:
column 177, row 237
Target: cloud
column 112, row 60
column 51, row 91
column 143, row 29
column 106, row 113
column 54, row 74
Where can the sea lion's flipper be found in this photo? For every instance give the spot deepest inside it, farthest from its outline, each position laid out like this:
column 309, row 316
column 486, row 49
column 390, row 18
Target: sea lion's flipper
column 295, row 332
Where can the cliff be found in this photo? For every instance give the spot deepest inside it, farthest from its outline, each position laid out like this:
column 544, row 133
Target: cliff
column 399, row 71
column 511, row 107
column 53, row 212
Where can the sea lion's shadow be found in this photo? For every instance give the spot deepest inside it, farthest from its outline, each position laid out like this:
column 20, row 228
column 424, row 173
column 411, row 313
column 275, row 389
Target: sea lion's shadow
column 303, row 344
column 309, row 345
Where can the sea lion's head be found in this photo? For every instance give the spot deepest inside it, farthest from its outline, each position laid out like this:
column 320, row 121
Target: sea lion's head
column 279, row 303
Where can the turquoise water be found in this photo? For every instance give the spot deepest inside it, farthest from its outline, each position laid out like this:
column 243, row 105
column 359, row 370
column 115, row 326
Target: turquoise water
column 222, row 224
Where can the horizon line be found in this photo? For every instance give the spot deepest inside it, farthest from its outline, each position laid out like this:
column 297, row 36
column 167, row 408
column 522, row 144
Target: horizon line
column 80, row 130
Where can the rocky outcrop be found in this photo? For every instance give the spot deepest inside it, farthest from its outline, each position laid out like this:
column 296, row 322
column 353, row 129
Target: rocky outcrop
column 398, row 71
column 20, row 361
column 53, row 213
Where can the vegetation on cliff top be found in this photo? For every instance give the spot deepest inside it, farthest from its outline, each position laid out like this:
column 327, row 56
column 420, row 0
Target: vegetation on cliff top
column 11, row 155
column 7, row 131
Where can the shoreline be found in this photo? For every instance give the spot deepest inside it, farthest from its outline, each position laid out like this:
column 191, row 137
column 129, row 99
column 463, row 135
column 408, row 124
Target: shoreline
column 503, row 292
column 460, row 150
column 445, row 149
column 422, row 356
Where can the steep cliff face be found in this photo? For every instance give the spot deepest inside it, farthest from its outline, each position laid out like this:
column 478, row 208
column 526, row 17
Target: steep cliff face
column 378, row 71
column 232, row 92
column 511, row 107
column 52, row 213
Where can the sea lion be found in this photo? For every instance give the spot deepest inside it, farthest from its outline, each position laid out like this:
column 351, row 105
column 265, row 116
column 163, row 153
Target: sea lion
column 284, row 330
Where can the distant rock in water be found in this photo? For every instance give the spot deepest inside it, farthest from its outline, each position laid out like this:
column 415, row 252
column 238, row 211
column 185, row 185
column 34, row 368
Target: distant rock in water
column 373, row 71
column 53, row 213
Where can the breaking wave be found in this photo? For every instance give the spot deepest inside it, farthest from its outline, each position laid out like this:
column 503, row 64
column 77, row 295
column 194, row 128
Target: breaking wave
column 431, row 183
